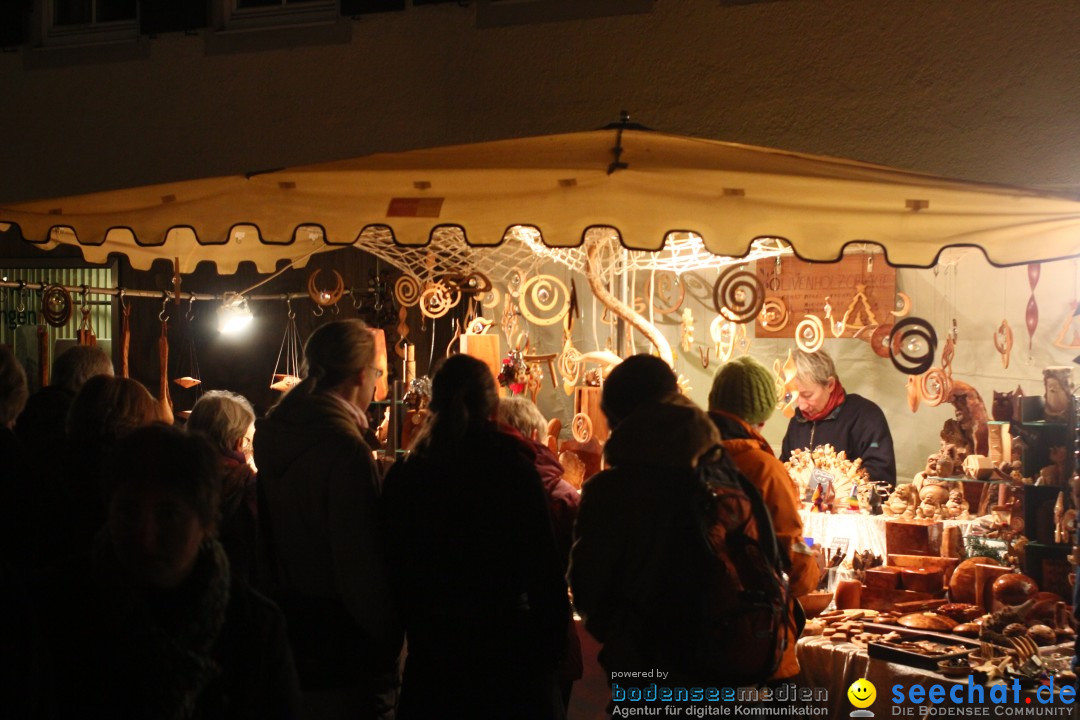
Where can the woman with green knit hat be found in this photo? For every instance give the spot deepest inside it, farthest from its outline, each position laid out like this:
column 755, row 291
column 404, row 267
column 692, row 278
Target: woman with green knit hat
column 742, row 398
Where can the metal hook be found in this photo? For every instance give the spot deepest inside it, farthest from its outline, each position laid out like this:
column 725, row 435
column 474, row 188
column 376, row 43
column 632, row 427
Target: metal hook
column 120, row 299
column 190, row 315
column 355, row 299
column 164, row 304
column 85, row 298
column 20, row 306
column 318, row 311
column 288, row 308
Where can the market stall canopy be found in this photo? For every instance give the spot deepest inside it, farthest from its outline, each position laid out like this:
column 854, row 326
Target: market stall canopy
column 648, row 186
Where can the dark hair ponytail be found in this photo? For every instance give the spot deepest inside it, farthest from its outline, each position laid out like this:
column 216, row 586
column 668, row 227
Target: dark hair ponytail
column 463, row 396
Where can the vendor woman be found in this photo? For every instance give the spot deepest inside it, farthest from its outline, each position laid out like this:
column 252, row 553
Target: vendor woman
column 828, row 415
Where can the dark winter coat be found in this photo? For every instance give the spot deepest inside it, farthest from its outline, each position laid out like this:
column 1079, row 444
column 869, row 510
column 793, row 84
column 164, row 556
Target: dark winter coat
column 321, row 514
column 638, row 589
column 213, row 648
column 858, row 427
column 239, row 514
column 478, row 581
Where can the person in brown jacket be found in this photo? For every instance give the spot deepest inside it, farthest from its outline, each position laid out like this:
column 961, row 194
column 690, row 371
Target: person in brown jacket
column 742, row 398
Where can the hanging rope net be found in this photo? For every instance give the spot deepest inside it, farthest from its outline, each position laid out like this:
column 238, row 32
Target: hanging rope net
column 522, row 250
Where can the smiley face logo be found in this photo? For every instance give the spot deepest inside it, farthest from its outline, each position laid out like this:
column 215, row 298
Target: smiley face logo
column 862, row 693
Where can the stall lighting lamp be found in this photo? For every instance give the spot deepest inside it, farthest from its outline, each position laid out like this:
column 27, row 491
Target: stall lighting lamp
column 234, row 316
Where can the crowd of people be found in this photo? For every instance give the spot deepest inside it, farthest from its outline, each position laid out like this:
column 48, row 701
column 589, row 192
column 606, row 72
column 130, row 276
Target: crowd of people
column 265, row 568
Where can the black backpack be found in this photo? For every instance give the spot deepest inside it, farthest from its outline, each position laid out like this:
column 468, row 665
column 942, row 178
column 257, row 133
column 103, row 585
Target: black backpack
column 742, row 636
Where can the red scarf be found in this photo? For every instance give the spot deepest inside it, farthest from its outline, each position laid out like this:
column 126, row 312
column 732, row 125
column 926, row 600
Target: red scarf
column 835, row 399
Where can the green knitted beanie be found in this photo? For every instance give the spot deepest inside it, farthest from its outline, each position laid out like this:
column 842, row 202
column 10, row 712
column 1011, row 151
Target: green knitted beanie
column 745, row 388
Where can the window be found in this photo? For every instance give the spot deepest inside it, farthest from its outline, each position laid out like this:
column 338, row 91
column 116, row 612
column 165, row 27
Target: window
column 79, row 22
column 254, row 14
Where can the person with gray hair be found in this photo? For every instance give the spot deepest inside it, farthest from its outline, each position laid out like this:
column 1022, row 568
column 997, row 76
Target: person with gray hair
column 43, row 419
column 563, row 500
column 320, row 521
column 228, row 421
column 13, row 391
column 827, row 414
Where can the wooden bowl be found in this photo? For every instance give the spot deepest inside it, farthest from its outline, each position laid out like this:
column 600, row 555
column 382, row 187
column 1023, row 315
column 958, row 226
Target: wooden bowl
column 946, row 668
column 813, row 604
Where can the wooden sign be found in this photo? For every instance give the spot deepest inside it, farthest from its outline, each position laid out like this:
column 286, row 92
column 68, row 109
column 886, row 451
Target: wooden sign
column 861, row 287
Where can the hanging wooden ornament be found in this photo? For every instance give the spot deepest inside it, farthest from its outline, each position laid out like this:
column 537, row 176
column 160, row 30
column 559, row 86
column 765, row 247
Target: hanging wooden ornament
column 859, row 313
column 912, row 345
column 738, row 295
column 810, row 334
column 686, row 329
column 287, row 368
column 664, row 292
column 325, row 298
column 879, row 340
column 56, row 305
column 904, row 306
column 85, row 333
column 125, row 335
column 514, row 282
column 786, row 392
column 581, row 428
column 1003, row 342
column 164, row 400
column 1031, row 316
column 933, row 387
column 543, row 294
column 407, row 290
column 837, row 328
column 774, row 314
column 703, row 353
column 724, row 334
column 913, row 393
column 191, row 376
column 437, row 299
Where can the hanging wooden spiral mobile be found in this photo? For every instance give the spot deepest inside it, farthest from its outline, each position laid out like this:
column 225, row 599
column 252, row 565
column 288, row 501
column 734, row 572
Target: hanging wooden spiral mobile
column 912, row 345
column 879, row 340
column 810, row 334
column 56, row 305
column 738, row 295
column 545, row 294
column 407, row 290
column 668, row 294
column 774, row 314
column 437, row 299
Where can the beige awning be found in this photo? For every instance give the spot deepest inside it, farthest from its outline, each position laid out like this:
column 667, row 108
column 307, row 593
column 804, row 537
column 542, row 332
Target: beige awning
column 561, row 185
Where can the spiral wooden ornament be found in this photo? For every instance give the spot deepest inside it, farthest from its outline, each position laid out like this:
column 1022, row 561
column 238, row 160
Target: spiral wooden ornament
column 56, row 305
column 774, row 314
column 738, row 295
column 325, row 298
column 543, row 294
column 668, row 294
column 1003, row 342
column 934, row 387
column 581, row 428
column 912, row 345
column 407, row 290
column 810, row 334
column 437, row 299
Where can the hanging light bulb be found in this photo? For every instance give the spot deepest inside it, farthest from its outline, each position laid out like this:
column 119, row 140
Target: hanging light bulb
column 234, row 316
